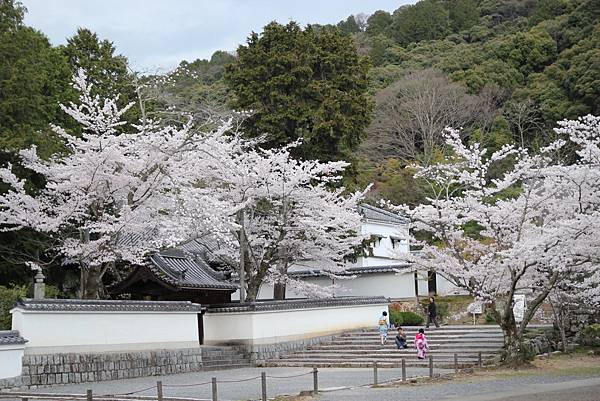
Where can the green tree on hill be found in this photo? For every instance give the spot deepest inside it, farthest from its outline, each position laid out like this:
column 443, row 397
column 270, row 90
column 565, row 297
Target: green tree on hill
column 378, row 23
column 34, row 78
column 302, row 84
column 105, row 69
column 426, row 20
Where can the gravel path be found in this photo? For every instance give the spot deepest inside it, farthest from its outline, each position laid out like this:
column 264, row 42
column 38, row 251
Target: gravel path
column 246, row 390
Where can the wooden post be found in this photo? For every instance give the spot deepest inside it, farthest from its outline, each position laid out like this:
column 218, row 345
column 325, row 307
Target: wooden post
column 214, row 389
column 24, row 399
column 88, row 395
column 479, row 360
column 455, row 363
column 431, row 366
column 159, row 391
column 263, row 381
column 315, row 381
column 403, row 370
column 375, row 373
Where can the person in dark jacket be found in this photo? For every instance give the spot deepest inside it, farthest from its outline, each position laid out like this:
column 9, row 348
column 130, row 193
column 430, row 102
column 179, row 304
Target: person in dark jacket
column 401, row 339
column 432, row 313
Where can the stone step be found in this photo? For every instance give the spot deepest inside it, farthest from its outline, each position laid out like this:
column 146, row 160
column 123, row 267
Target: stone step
column 495, row 343
column 375, row 334
column 387, row 348
column 325, row 364
column 388, row 355
column 428, row 333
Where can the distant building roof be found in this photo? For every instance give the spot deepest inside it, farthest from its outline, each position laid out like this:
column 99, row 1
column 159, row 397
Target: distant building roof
column 61, row 305
column 372, row 213
column 397, row 268
column 186, row 272
column 297, row 303
column 11, row 337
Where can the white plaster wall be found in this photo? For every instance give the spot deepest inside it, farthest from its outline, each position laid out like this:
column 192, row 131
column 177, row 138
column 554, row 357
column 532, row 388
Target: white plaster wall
column 445, row 287
column 51, row 331
column 383, row 252
column 11, row 357
column 269, row 327
column 391, row 285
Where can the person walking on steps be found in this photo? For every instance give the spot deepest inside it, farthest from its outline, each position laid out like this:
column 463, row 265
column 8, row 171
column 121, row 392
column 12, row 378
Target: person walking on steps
column 383, row 327
column 421, row 344
column 432, row 313
column 401, row 339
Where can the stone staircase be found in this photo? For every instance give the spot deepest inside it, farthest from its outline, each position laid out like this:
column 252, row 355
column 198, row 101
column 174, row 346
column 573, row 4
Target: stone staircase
column 361, row 348
column 220, row 358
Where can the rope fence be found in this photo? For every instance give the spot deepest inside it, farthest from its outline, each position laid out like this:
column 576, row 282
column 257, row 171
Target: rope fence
column 158, row 394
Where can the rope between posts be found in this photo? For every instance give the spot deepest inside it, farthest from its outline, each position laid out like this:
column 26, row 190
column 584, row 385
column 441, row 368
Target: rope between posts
column 129, row 393
column 238, row 381
column 187, row 385
column 290, row 377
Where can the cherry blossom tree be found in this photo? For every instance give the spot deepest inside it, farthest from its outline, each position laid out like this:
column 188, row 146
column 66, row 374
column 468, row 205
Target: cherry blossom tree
column 287, row 214
column 113, row 197
column 122, row 192
column 497, row 231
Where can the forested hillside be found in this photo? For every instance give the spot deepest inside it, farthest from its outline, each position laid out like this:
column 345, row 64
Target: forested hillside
column 504, row 70
column 375, row 90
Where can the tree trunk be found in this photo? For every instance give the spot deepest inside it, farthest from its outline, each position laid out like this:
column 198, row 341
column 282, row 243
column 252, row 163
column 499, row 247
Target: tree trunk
column 513, row 353
column 91, row 282
column 513, row 340
column 279, row 291
column 251, row 291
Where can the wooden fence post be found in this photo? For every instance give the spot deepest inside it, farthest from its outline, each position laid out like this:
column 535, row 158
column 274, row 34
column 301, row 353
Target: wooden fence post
column 88, row 395
column 159, row 391
column 375, row 373
column 263, row 381
column 479, row 359
column 403, row 370
column 455, row 363
column 315, row 381
column 214, row 389
column 431, row 366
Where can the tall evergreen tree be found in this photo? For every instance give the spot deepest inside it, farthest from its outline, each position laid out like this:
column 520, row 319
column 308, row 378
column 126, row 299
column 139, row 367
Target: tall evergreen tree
column 302, row 84
column 106, row 70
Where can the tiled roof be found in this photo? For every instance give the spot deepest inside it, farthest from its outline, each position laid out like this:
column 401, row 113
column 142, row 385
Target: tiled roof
column 11, row 337
column 182, row 271
column 354, row 270
column 60, row 305
column 291, row 304
column 373, row 213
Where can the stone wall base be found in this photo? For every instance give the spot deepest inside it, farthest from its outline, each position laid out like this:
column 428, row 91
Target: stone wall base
column 11, row 382
column 262, row 352
column 41, row 370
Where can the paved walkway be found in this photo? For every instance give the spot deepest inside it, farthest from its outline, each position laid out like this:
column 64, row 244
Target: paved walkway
column 228, row 389
column 526, row 388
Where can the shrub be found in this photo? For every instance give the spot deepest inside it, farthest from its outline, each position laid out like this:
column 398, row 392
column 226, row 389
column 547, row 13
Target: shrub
column 399, row 318
column 591, row 335
column 489, row 318
column 8, row 298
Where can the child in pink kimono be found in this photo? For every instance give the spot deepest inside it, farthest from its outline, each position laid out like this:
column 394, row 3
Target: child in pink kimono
column 421, row 344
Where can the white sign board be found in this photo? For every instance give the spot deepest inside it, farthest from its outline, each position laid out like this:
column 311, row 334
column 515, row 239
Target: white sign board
column 475, row 308
column 519, row 307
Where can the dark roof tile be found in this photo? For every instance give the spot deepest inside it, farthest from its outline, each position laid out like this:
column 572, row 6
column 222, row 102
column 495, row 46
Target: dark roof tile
column 187, row 272
column 11, row 337
column 62, row 305
column 373, row 213
column 291, row 304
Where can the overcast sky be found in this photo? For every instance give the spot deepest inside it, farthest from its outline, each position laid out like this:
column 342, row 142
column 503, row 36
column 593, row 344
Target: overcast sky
column 158, row 34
